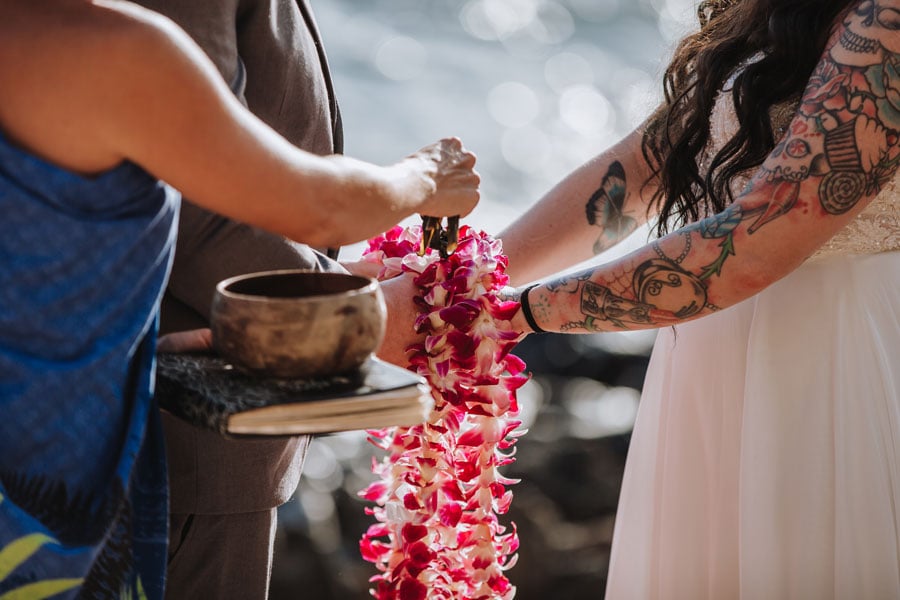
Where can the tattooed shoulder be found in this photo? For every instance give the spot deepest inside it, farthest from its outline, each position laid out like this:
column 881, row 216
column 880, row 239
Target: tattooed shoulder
column 844, row 136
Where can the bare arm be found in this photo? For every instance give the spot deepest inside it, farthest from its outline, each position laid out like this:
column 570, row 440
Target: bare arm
column 840, row 149
column 591, row 210
column 88, row 84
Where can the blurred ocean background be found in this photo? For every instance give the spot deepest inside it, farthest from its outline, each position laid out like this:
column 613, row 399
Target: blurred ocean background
column 534, row 88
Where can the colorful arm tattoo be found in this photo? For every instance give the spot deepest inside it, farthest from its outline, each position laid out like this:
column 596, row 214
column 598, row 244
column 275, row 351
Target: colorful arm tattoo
column 839, row 150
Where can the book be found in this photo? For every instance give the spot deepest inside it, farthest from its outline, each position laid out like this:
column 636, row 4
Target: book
column 210, row 392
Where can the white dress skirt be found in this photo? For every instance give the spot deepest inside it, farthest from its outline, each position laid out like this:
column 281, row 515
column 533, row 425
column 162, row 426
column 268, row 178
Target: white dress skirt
column 765, row 461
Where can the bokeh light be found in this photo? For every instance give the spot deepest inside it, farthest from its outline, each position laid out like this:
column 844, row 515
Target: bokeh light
column 586, row 111
column 401, row 58
column 513, row 104
column 567, row 69
column 496, row 20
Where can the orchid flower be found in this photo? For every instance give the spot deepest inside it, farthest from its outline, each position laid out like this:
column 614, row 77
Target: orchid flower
column 439, row 491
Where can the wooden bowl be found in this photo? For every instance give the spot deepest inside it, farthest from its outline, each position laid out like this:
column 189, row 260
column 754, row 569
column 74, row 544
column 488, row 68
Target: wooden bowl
column 298, row 324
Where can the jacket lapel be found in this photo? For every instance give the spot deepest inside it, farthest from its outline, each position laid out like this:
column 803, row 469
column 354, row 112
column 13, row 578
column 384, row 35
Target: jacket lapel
column 336, row 124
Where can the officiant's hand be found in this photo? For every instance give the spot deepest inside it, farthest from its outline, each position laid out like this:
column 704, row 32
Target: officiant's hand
column 401, row 317
column 195, row 340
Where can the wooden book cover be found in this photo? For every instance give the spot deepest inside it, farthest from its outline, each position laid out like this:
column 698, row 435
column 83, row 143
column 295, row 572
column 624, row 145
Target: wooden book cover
column 209, row 392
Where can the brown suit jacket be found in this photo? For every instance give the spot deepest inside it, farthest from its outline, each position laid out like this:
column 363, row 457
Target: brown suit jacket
column 269, row 51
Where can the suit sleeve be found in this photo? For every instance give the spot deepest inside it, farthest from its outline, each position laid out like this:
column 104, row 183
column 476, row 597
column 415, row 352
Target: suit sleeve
column 211, row 248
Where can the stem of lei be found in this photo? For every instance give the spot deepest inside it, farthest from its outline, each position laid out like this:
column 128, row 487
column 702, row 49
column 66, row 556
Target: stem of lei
column 439, row 491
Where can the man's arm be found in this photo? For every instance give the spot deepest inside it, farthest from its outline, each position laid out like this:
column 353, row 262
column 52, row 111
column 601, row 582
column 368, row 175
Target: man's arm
column 211, row 248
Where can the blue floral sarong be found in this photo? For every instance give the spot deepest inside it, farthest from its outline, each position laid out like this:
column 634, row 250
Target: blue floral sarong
column 83, row 262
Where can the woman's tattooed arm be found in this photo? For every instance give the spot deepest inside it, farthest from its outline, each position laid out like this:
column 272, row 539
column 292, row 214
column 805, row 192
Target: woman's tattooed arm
column 839, row 150
column 562, row 229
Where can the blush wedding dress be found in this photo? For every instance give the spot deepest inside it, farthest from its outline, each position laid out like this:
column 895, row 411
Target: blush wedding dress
column 765, row 460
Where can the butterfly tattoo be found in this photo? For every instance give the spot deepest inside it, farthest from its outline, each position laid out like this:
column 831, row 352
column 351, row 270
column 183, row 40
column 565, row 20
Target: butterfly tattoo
column 605, row 209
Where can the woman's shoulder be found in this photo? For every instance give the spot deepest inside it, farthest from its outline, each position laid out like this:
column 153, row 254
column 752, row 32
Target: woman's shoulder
column 69, row 68
column 31, row 26
column 71, row 39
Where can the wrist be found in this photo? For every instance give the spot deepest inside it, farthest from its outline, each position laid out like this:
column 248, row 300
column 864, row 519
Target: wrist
column 524, row 318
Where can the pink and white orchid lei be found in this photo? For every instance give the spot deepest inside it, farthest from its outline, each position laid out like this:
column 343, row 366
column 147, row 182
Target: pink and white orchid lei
column 439, row 495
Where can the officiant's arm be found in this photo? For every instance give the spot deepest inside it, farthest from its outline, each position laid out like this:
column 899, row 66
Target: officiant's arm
column 592, row 209
column 841, row 147
column 138, row 88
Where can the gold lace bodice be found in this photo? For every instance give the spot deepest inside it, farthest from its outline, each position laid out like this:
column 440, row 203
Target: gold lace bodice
column 876, row 229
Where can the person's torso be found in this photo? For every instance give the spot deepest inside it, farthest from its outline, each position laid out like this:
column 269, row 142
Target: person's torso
column 268, row 52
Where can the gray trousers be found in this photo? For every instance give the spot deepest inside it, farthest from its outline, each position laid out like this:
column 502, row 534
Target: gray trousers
column 215, row 557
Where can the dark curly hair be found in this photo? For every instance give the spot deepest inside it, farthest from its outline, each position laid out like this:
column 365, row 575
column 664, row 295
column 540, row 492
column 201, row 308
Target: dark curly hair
column 772, row 46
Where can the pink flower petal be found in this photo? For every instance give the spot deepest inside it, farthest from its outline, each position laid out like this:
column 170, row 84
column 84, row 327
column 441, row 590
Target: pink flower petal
column 471, row 438
column 411, row 502
column 504, row 311
column 460, row 315
column 412, row 589
column 450, row 514
column 413, row 533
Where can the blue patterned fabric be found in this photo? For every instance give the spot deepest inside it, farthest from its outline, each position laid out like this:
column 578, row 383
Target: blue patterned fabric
column 83, row 262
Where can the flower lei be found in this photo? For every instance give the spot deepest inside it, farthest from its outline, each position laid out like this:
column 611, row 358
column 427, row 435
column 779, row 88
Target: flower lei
column 440, row 492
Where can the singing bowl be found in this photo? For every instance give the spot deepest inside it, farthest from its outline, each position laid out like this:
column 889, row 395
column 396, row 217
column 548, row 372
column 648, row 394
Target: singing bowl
column 297, row 324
